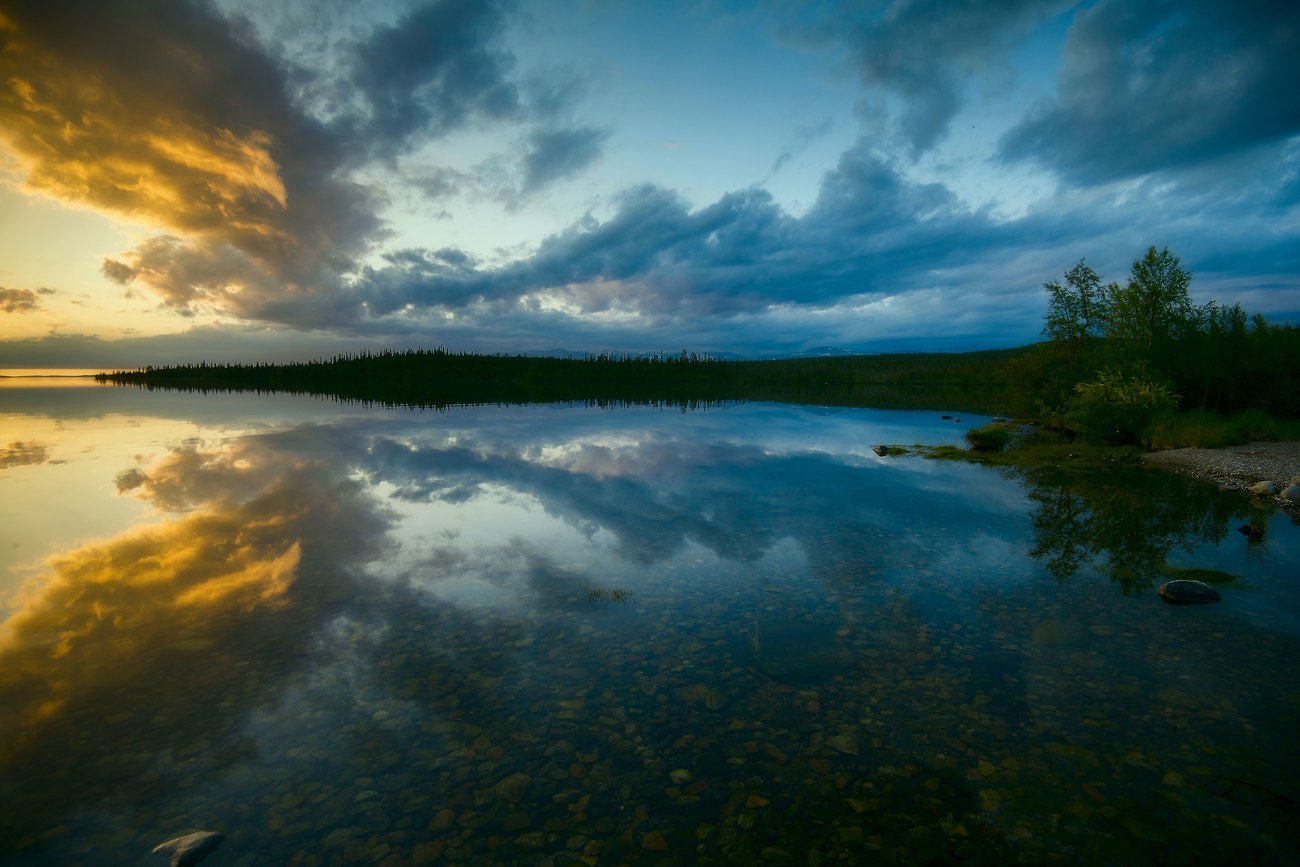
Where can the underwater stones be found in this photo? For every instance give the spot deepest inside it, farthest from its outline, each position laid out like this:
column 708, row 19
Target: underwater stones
column 1053, row 631
column 512, row 788
column 697, row 693
column 1187, row 592
column 681, row 775
column 189, row 849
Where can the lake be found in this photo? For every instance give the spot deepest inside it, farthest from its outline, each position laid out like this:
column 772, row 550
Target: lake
column 563, row 634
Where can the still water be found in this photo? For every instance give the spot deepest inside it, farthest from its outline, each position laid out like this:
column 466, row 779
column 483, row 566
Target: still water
column 568, row 634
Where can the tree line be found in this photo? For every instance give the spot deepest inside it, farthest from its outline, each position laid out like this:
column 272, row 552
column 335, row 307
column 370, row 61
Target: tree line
column 1120, row 354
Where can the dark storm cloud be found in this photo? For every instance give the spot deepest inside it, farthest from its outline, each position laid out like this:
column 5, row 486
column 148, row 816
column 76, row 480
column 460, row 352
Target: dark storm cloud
column 1156, row 85
column 925, row 52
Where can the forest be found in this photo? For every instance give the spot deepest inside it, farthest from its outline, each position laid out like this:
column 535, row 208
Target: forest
column 1118, row 362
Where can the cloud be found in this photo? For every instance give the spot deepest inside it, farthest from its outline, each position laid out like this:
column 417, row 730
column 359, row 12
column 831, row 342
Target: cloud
column 434, row 71
column 923, row 54
column 554, row 154
column 1155, row 85
column 17, row 300
column 869, row 232
column 168, row 114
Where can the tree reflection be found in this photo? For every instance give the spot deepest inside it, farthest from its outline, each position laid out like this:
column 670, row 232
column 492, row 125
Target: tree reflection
column 1133, row 517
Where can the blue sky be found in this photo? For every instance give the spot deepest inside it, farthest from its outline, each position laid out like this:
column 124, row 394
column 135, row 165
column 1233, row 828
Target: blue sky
column 240, row 180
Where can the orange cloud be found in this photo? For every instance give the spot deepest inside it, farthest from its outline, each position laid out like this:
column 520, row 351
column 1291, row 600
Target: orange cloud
column 170, row 116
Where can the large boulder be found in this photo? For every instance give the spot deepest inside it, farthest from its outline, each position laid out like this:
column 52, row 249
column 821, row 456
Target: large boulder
column 1188, row 592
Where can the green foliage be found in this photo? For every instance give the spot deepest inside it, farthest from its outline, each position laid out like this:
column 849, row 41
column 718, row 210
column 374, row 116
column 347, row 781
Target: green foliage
column 1210, row 430
column 1077, row 308
column 1154, row 305
column 1117, row 405
column 989, row 438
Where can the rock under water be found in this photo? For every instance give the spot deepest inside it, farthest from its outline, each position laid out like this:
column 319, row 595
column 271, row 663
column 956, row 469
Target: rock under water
column 1187, row 592
column 190, row 849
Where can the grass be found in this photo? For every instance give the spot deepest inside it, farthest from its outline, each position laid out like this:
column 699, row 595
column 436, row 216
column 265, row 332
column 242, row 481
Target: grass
column 1198, row 429
column 989, row 438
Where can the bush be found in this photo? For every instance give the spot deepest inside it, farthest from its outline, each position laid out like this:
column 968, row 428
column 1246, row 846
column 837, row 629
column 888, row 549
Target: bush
column 1117, row 406
column 989, row 438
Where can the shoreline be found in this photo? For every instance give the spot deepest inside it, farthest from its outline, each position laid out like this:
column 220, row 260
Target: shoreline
column 1236, row 468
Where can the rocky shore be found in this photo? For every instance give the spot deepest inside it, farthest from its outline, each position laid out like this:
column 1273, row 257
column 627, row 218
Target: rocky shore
column 1239, row 468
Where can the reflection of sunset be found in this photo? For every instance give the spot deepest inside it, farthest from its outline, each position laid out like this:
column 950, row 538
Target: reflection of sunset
column 129, row 609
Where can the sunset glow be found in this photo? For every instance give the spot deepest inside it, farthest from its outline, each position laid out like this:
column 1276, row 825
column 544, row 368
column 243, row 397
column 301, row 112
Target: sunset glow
column 229, row 181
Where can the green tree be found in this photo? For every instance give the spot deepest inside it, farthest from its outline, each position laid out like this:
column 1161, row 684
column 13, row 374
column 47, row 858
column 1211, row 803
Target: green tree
column 1075, row 309
column 1154, row 305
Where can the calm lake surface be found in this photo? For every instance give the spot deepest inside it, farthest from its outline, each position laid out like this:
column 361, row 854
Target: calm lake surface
column 567, row 634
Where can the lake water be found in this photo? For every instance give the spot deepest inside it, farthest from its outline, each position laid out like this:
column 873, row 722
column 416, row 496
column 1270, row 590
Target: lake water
column 568, row 634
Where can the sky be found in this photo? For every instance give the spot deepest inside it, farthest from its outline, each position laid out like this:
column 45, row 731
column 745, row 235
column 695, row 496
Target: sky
column 237, row 180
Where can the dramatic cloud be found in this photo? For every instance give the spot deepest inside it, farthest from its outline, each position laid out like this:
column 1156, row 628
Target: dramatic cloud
column 923, row 54
column 870, row 232
column 168, row 114
column 1154, row 85
column 309, row 169
column 433, row 71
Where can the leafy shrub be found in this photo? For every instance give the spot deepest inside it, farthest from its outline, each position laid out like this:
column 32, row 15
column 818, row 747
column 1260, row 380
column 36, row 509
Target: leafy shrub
column 1117, row 406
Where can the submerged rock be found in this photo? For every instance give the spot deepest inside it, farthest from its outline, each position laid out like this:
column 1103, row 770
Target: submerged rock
column 1205, row 576
column 1187, row 592
column 190, row 848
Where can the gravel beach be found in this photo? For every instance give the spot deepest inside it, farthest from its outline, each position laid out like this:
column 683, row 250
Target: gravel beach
column 1236, row 468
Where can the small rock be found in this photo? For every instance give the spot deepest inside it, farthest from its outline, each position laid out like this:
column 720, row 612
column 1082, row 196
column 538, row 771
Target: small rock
column 1292, row 492
column 512, row 788
column 681, row 775
column 1264, row 489
column 190, row 848
column 1185, row 592
column 654, row 841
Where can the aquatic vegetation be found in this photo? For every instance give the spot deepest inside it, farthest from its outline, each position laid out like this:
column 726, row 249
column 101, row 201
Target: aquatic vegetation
column 989, row 438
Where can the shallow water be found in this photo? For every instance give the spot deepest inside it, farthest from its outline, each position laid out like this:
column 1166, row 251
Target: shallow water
column 561, row 634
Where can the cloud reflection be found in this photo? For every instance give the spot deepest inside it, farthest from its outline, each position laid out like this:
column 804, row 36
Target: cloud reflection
column 127, row 650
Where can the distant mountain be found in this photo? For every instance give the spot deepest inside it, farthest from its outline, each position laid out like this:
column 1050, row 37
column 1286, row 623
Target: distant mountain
column 824, row 352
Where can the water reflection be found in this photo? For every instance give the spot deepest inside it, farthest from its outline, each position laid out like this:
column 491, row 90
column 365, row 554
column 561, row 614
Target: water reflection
column 377, row 638
column 1131, row 519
